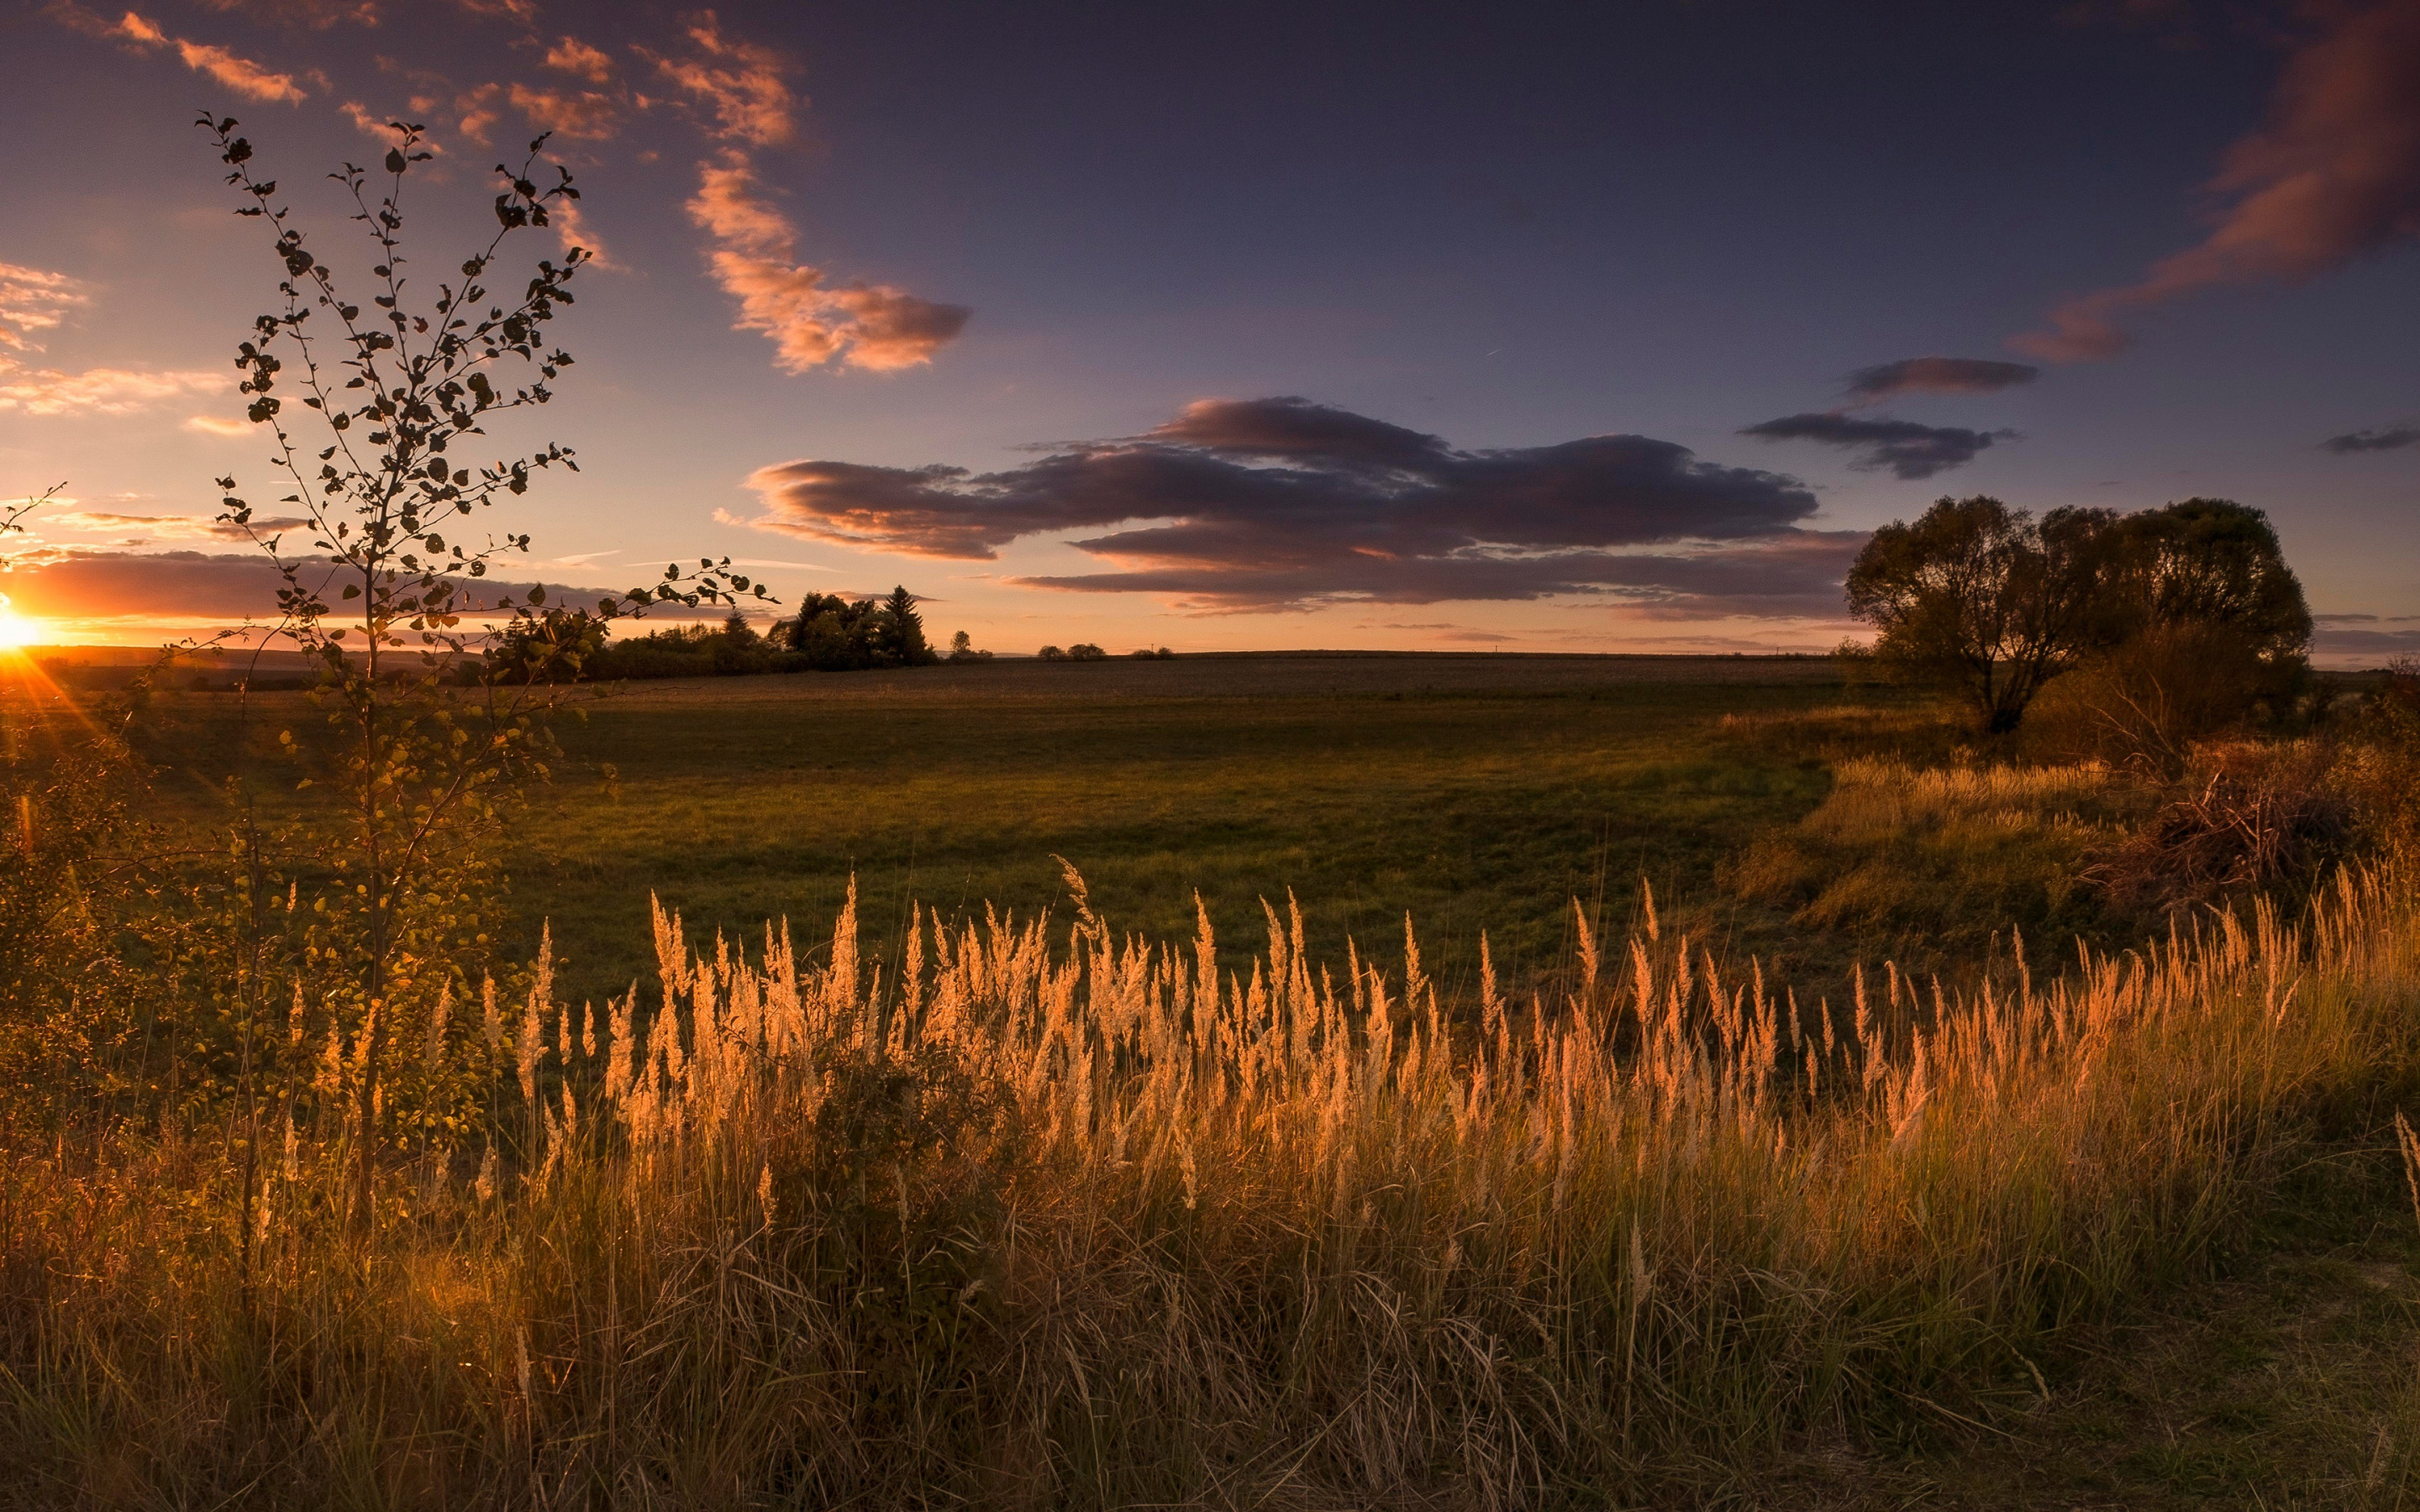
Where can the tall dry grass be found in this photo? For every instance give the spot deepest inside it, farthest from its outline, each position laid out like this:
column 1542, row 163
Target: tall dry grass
column 1040, row 1218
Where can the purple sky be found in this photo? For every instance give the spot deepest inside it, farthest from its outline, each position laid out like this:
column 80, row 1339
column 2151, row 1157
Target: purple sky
column 1277, row 325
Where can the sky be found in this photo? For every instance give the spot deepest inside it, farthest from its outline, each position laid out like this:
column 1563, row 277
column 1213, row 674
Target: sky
column 1542, row 328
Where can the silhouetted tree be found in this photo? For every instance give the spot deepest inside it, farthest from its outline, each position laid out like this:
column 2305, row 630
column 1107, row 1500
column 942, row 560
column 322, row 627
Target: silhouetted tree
column 2188, row 614
column 2202, row 621
column 903, row 631
column 1985, row 598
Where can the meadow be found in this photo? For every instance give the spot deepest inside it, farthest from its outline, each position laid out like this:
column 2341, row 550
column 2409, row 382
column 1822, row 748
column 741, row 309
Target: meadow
column 1475, row 793
column 1803, row 1134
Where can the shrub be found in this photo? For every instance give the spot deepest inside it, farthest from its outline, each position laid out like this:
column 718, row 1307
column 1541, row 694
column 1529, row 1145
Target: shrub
column 2250, row 816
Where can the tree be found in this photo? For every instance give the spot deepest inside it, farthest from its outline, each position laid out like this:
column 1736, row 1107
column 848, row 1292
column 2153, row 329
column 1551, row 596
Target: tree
column 2211, row 562
column 903, row 631
column 2204, row 621
column 398, row 391
column 1985, row 597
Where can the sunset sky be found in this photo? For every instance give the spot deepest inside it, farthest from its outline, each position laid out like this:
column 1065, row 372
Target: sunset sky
column 1550, row 328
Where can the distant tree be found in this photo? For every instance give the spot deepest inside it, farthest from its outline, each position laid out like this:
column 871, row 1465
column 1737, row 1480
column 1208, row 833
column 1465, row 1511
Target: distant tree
column 1086, row 651
column 1986, row 599
column 903, row 631
column 1052, row 653
column 962, row 648
column 1142, row 654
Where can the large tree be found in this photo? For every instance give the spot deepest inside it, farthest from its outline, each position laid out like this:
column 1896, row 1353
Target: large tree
column 2213, row 563
column 1986, row 599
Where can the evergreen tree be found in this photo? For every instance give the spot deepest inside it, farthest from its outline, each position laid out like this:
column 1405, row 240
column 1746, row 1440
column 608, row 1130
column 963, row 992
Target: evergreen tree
column 903, row 630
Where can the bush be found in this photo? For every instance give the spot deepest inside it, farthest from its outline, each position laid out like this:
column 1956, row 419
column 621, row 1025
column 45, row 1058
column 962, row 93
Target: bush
column 2251, row 816
column 1086, row 651
column 2377, row 770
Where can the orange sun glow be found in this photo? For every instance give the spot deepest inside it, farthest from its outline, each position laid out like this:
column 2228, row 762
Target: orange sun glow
column 15, row 630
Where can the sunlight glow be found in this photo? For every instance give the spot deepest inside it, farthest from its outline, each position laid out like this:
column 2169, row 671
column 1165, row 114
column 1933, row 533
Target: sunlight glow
column 15, row 630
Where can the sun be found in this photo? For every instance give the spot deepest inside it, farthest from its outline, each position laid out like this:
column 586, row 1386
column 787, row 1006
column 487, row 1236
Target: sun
column 16, row 632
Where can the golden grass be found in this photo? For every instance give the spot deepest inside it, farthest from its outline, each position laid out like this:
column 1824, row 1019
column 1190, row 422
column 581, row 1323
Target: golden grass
column 1032, row 1218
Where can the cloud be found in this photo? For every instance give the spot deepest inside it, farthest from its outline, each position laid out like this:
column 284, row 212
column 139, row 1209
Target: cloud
column 1908, row 449
column 479, row 111
column 33, row 300
column 584, row 115
column 572, row 229
column 2334, row 174
column 101, row 391
column 2388, row 440
column 218, row 425
column 1935, row 375
column 1283, row 504
column 741, row 85
column 166, row 527
column 74, row 583
column 241, row 74
column 2367, row 646
column 572, row 55
column 875, row 327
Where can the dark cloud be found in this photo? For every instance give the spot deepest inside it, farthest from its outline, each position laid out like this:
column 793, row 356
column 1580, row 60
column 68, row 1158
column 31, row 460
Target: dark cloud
column 2392, row 439
column 1269, row 503
column 1795, row 575
column 70, row 583
column 1908, row 449
column 2373, row 646
column 1936, row 374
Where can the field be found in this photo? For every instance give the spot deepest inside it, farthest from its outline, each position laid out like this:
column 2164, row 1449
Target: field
column 1872, row 1164
column 1475, row 793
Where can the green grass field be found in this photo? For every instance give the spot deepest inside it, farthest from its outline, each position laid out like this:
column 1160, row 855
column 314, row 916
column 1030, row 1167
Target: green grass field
column 1475, row 792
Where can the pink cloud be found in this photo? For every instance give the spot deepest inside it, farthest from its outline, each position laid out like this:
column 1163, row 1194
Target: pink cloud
column 740, row 83
column 100, row 390
column 571, row 227
column 588, row 115
column 31, row 299
column 876, row 328
column 2333, row 175
column 241, row 74
column 479, row 111
column 572, row 55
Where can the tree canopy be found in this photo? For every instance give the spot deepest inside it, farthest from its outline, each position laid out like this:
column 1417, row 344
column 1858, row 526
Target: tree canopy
column 1996, row 603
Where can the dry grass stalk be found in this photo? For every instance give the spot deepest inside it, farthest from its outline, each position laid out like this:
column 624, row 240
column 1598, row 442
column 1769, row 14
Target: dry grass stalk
column 1049, row 1220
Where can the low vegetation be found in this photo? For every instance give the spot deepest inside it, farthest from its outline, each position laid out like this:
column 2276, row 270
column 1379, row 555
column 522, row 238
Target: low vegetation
column 1042, row 1217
